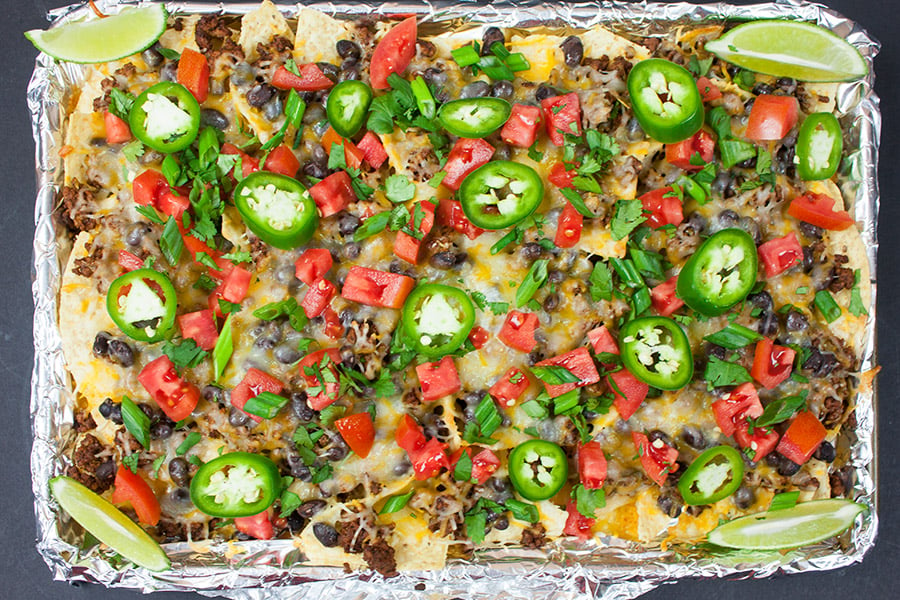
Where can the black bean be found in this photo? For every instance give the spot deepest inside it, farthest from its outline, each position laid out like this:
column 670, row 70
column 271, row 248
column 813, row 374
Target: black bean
column 476, row 89
column 715, row 350
column 348, row 49
column 348, row 73
column 152, row 57
column 501, row 524
column 270, row 336
column 747, row 163
column 237, row 417
column 402, row 467
column 669, row 504
column 796, row 321
column 329, row 70
column 762, row 88
column 273, row 109
column 500, row 484
column 728, row 218
column 337, row 451
column 212, row 393
column 811, row 231
column 98, row 142
column 315, row 113
column 301, row 407
column 825, row 452
column 551, row 302
column 633, row 131
column 768, row 323
column 180, row 495
column 502, row 152
column 106, row 470
column 744, row 498
column 531, row 251
column 435, row 76
column 573, row 50
column 443, row 260
column 787, row 85
column 136, row 233
column 161, row 430
column 693, row 437
column 720, row 184
column 697, row 222
column 502, row 89
column 461, row 258
column 545, row 91
column 101, row 344
column 351, row 250
column 286, row 354
column 787, row 467
column 311, row 508
column 821, row 363
column 121, row 353
column 556, row 276
column 490, row 37
column 784, row 159
column 299, row 468
column 169, row 72
column 762, row 300
column 210, row 117
column 180, row 471
column 313, row 170
column 260, row 94
column 112, row 411
column 790, row 140
column 751, row 227
column 348, row 223
column 658, row 434
column 326, row 534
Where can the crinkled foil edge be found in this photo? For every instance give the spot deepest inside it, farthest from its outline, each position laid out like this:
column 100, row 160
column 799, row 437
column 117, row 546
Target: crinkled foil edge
column 610, row 569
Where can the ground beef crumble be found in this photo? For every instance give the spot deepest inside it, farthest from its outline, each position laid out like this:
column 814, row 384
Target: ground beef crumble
column 209, row 28
column 841, row 277
column 534, row 537
column 88, row 265
column 85, row 462
column 379, row 555
column 74, row 201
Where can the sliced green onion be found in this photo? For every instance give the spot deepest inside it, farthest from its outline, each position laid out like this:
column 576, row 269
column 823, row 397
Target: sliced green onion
column 628, row 272
column 424, row 98
column 640, row 300
column 505, row 241
column 827, row 306
column 534, row 279
column 495, row 68
column 647, row 262
column 170, row 242
column 733, row 337
column 189, row 442
column 693, row 189
column 566, row 403
column 784, row 500
column 488, row 416
column 395, row 503
column 265, row 405
column 518, row 62
column 554, row 374
column 734, row 151
column 466, row 56
column 500, row 51
column 136, row 421
column 223, row 349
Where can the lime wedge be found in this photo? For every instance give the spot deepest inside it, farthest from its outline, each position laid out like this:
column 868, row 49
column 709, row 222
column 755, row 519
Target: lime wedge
column 108, row 524
column 102, row 40
column 790, row 49
column 804, row 524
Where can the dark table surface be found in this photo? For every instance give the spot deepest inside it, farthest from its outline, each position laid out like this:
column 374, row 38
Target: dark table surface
column 26, row 577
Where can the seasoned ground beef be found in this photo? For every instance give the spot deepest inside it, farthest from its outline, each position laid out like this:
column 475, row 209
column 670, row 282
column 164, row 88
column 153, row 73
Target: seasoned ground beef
column 74, row 205
column 841, row 277
column 84, row 422
column 534, row 537
column 85, row 464
column 87, row 265
column 278, row 46
column 209, row 28
column 379, row 555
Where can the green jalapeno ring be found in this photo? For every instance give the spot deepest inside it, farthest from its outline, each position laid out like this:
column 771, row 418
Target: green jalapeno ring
column 474, row 117
column 143, row 304
column 717, row 473
column 657, row 351
column 239, row 484
column 500, row 194
column 437, row 319
column 721, row 273
column 538, row 469
column 277, row 208
column 347, row 106
column 154, row 110
column 665, row 100
column 820, row 144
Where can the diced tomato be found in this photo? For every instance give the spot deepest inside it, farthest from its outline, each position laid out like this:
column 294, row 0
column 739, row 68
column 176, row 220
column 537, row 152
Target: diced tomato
column 333, row 327
column 562, row 115
column 628, row 392
column 328, row 391
column 173, row 204
column 193, row 73
column 377, row 288
column 148, row 187
column 568, row 228
column 199, row 326
column 409, row 435
column 818, row 209
column 117, row 130
column 466, row 156
column 258, row 526
column 438, row 379
column 129, row 261
column 780, row 254
column 708, row 90
column 311, row 79
column 393, row 53
column 663, row 297
column 353, row 156
column 510, row 387
column 312, row 265
column 450, row 213
column 602, row 341
column 248, row 163
column 522, row 126
column 195, row 247
column 664, row 208
column 175, row 396
column 740, row 404
column 333, row 194
column 771, row 117
column 518, row 331
column 236, row 284
column 772, row 364
column 484, row 464
column 131, row 488
column 577, row 525
column 282, row 160
column 373, row 150
column 760, row 443
column 701, row 144
column 579, row 363
column 408, row 247
column 254, row 383
column 802, row 437
column 430, row 459
column 358, row 431
column 657, row 458
column 591, row 465
column 560, row 176
column 318, row 296
column 479, row 337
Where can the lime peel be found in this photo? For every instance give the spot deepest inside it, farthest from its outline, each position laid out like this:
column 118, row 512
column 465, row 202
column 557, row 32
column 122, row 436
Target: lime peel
column 102, row 40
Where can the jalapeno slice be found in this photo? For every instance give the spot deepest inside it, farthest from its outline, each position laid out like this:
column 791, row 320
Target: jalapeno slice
column 347, row 106
column 437, row 318
column 239, row 484
column 500, row 193
column 474, row 117
column 142, row 303
column 277, row 209
column 720, row 273
column 165, row 117
column 538, row 469
column 715, row 474
column 656, row 351
column 819, row 147
column 665, row 100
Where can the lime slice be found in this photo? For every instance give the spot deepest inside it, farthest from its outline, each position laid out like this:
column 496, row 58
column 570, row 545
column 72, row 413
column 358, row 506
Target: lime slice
column 108, row 524
column 790, row 49
column 804, row 524
column 102, row 40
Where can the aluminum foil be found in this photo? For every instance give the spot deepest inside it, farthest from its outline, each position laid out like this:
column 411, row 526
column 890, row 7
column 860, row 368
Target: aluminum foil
column 608, row 569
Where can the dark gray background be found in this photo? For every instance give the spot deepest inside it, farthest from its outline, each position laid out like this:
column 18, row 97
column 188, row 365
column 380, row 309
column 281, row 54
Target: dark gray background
column 24, row 576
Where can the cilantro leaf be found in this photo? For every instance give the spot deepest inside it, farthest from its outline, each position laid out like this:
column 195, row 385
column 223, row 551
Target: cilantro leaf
column 721, row 373
column 628, row 215
column 398, row 188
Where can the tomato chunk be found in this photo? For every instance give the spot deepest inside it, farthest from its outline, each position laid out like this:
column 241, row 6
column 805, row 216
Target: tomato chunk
column 740, row 404
column 173, row 204
column 657, row 458
column 602, row 341
column 568, row 229
column 282, row 160
column 377, row 288
column 758, row 444
column 818, row 209
column 772, row 364
column 579, row 363
column 521, row 128
column 562, row 115
column 358, row 431
column 560, row 176
column 175, row 396
column 450, row 213
column 393, row 53
column 466, row 156
column 318, row 297
column 236, row 284
column 484, row 464
column 254, row 383
column 353, row 156
column 320, row 394
column 373, row 150
column 430, row 459
column 780, row 254
column 409, row 435
column 479, row 336
column 708, row 90
column 131, row 488
column 199, row 326
column 248, row 163
column 628, row 392
column 518, row 331
column 117, row 130
column 664, row 208
column 577, row 525
column 771, row 117
column 148, row 187
column 663, row 297
column 193, row 73
column 333, row 194
column 312, row 265
column 129, row 261
column 438, row 379
column 510, row 387
column 591, row 465
column 803, row 436
column 700, row 144
column 310, row 79
column 258, row 526
column 408, row 247
column 333, row 328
